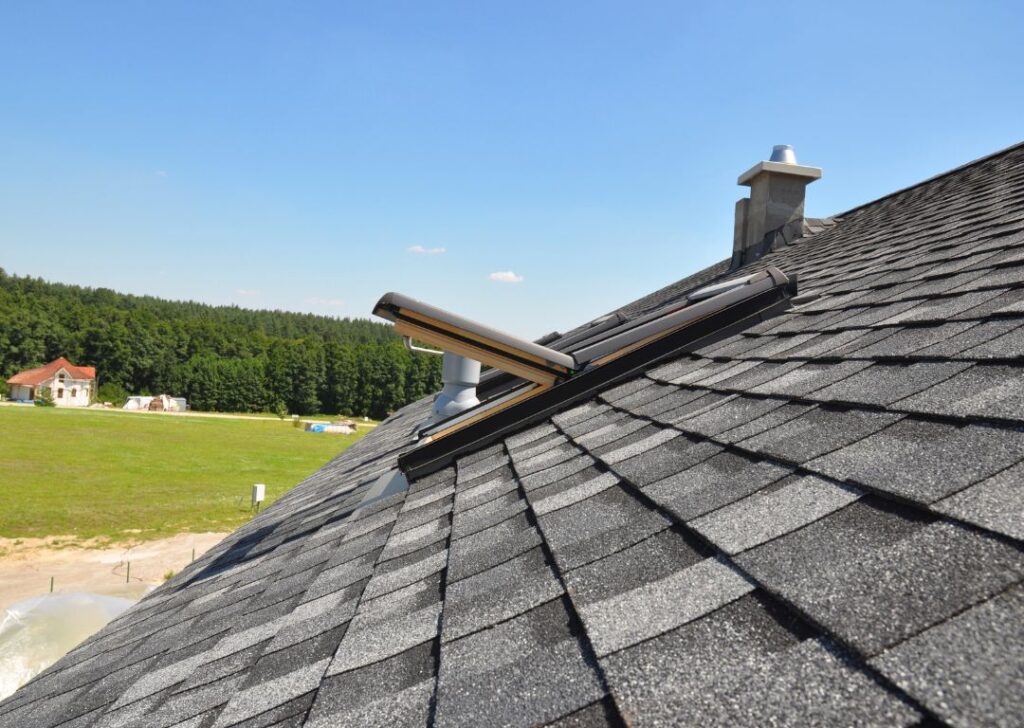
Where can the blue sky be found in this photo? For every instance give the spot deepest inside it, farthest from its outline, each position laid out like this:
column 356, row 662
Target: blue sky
column 293, row 154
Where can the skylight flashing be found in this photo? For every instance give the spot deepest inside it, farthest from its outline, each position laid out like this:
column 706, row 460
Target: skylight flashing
column 663, row 321
column 715, row 288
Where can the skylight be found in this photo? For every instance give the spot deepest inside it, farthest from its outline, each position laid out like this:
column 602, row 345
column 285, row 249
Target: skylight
column 467, row 338
column 612, row 350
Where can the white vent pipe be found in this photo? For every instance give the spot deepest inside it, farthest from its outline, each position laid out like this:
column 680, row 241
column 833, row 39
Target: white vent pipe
column 460, row 377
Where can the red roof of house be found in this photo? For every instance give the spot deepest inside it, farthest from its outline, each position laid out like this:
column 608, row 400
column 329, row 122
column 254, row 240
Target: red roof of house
column 35, row 377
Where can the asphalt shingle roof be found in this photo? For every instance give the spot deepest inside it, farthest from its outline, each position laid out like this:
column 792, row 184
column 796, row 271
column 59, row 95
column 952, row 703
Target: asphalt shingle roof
column 817, row 521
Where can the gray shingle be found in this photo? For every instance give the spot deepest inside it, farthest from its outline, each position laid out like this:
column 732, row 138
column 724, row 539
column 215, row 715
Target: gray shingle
column 774, row 417
column 492, row 596
column 481, row 468
column 669, row 406
column 652, row 392
column 969, row 670
column 404, row 708
column 491, row 546
column 981, row 391
column 537, row 447
column 395, row 691
column 809, row 377
column 260, row 698
column 315, row 617
column 872, row 595
column 656, row 558
column 773, row 512
column 738, row 666
column 547, row 459
column 621, row 391
column 764, row 372
column 772, row 347
column 579, row 413
column 364, row 645
column 904, row 341
column 429, row 561
column 816, row 432
column 716, row 482
column 486, row 515
column 1004, row 346
column 665, row 460
column 544, row 500
column 706, row 403
column 595, row 715
column 535, row 433
column 673, row 369
column 658, row 606
column 415, row 539
column 942, row 309
column 923, row 461
column 619, row 429
column 996, row 503
column 883, row 384
column 729, row 413
column 974, row 334
column 395, row 604
column 608, row 521
column 714, row 371
column 531, row 670
column 839, row 343
column 185, row 706
column 557, row 473
column 653, row 438
column 485, row 489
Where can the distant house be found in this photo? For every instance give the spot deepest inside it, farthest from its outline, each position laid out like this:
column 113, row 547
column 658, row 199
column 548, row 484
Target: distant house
column 70, row 385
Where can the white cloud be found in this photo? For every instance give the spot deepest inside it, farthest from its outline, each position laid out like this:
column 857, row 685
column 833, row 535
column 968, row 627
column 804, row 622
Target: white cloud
column 506, row 276
column 247, row 291
column 420, row 250
column 325, row 302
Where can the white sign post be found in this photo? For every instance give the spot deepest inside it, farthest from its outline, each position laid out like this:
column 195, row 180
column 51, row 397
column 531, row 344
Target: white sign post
column 259, row 493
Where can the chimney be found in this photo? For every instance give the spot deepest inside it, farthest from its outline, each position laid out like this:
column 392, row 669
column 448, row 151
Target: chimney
column 775, row 206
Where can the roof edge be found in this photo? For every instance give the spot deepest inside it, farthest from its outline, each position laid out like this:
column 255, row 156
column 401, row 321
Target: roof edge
column 933, row 178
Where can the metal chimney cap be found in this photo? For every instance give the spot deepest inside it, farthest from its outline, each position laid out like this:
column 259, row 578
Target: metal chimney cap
column 783, row 153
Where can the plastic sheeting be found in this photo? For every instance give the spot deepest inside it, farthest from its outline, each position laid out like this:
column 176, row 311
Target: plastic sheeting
column 37, row 632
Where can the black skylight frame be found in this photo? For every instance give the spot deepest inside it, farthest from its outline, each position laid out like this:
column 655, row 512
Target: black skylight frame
column 718, row 324
column 496, row 382
column 459, row 335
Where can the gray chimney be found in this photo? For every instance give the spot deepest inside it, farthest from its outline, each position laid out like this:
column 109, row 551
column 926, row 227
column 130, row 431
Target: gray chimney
column 775, row 206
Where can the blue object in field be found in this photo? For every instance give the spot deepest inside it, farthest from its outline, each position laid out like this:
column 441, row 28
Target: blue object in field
column 318, row 428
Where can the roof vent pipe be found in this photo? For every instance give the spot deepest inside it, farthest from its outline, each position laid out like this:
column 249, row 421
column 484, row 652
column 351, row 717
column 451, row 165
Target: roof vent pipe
column 460, row 375
column 783, row 153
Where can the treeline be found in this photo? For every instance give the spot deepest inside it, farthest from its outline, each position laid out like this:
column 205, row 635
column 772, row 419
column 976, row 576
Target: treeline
column 220, row 357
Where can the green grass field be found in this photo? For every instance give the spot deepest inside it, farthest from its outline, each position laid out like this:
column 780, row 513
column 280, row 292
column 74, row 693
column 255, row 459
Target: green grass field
column 123, row 476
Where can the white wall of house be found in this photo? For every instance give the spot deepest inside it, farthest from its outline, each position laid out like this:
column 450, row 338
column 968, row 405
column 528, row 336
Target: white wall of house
column 68, row 392
column 20, row 391
column 72, row 392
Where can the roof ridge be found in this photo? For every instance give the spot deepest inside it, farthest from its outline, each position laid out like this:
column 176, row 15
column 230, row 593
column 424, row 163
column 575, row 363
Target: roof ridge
column 933, row 178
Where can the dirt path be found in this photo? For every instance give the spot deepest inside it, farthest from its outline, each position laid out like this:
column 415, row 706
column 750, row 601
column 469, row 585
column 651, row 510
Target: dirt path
column 217, row 415
column 28, row 564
